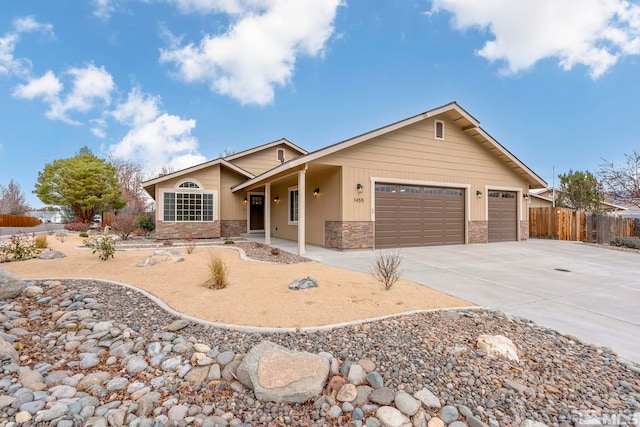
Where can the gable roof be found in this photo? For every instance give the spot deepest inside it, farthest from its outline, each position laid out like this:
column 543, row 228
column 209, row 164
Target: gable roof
column 148, row 185
column 264, row 147
column 455, row 112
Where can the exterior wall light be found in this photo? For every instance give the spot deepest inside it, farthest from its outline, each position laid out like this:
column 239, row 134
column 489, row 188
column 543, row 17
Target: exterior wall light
column 359, row 187
column 244, row 202
column 316, row 192
column 276, row 199
column 479, row 194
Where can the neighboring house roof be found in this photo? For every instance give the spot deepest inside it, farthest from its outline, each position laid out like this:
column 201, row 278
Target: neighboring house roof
column 150, row 184
column 45, row 215
column 537, row 196
column 547, row 194
column 466, row 121
column 265, row 146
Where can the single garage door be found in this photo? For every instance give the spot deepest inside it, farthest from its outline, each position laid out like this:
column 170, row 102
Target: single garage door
column 418, row 216
column 503, row 216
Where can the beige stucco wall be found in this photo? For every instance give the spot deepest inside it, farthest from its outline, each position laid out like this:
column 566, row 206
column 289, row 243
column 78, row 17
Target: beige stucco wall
column 207, row 178
column 325, row 207
column 263, row 160
column 412, row 153
column 231, row 206
column 539, row 203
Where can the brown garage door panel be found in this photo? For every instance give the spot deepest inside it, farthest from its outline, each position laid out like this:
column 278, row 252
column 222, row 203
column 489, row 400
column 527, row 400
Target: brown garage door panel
column 503, row 214
column 418, row 216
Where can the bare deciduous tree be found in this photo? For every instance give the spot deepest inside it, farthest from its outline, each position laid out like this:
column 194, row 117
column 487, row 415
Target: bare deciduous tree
column 622, row 182
column 131, row 176
column 12, row 199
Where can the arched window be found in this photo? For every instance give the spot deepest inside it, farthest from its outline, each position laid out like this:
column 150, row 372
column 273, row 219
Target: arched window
column 188, row 184
column 188, row 203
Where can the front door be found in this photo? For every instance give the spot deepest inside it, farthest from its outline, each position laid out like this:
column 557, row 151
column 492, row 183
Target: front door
column 256, row 212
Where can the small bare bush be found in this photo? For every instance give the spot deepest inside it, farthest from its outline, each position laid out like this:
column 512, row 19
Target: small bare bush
column 124, row 224
column 275, row 251
column 190, row 243
column 218, row 273
column 61, row 235
column 386, row 268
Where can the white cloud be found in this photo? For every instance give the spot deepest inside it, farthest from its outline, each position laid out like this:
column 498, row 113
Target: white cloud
column 29, row 24
column 593, row 33
column 91, row 88
column 155, row 138
column 48, row 87
column 259, row 50
column 98, row 128
column 103, row 8
column 9, row 64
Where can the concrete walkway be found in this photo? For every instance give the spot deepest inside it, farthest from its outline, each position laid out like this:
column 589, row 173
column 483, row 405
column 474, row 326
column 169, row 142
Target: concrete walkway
column 589, row 292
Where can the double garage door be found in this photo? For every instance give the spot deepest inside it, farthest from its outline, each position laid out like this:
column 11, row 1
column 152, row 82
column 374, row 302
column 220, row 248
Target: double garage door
column 418, row 216
column 407, row 215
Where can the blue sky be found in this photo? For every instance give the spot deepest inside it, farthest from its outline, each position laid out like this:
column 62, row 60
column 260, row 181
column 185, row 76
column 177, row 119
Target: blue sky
column 177, row 82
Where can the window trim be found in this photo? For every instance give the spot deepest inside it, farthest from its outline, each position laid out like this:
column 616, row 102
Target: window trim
column 290, row 201
column 191, row 191
column 435, row 129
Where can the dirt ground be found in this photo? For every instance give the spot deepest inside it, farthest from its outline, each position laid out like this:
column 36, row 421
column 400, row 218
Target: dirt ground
column 257, row 295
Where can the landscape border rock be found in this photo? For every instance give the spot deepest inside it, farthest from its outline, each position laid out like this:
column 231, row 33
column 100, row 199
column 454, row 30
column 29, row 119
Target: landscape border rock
column 11, row 286
column 277, row 374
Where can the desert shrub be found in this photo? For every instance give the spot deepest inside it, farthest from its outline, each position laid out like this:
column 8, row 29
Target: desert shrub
column 124, row 224
column 61, row 235
column 103, row 244
column 83, row 234
column 275, row 251
column 76, row 226
column 190, row 243
column 629, row 242
column 229, row 242
column 18, row 248
column 218, row 273
column 147, row 223
column 41, row 241
column 386, row 268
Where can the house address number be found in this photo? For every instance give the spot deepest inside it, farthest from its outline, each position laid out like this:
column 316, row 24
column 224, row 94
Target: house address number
column 358, row 199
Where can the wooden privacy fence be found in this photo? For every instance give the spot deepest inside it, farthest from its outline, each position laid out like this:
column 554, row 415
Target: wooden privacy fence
column 569, row 224
column 18, row 221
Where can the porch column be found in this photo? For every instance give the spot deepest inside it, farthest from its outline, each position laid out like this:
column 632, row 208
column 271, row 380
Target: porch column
column 267, row 213
column 301, row 211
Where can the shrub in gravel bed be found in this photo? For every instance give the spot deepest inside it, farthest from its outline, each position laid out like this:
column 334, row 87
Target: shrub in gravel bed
column 629, row 242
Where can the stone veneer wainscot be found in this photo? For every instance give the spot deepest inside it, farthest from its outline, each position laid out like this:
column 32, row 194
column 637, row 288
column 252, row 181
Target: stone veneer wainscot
column 233, row 227
column 478, row 231
column 182, row 230
column 348, row 234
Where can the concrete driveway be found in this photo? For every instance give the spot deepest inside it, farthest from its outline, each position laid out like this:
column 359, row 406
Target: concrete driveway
column 589, row 292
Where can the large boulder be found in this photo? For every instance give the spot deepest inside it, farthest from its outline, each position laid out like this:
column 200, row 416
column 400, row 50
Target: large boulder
column 11, row 285
column 306, row 283
column 51, row 254
column 162, row 256
column 277, row 374
column 498, row 345
column 8, row 352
